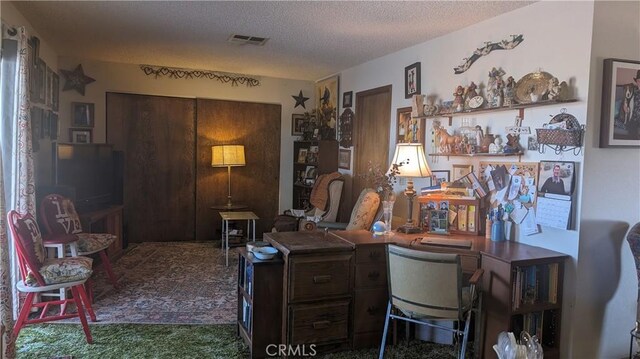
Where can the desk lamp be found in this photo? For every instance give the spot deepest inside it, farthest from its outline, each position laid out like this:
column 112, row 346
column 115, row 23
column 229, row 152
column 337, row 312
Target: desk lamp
column 228, row 156
column 415, row 165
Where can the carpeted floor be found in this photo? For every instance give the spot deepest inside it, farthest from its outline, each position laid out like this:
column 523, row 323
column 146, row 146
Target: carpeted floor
column 170, row 283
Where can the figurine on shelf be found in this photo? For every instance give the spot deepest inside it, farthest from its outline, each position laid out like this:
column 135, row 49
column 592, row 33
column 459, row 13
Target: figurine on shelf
column 471, row 92
column 496, row 146
column 447, row 142
column 513, row 145
column 509, row 92
column 458, row 99
column 556, row 90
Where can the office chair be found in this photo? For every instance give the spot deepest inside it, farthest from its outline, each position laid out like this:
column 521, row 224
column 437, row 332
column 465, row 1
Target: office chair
column 427, row 287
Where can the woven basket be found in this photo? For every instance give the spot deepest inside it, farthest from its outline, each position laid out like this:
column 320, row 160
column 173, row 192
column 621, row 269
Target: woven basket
column 559, row 137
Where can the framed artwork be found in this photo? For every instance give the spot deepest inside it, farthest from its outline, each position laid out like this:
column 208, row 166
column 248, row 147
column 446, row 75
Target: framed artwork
column 326, row 92
column 41, row 81
column 412, row 80
column 347, row 99
column 620, row 118
column 440, row 176
column 55, row 92
column 302, row 155
column 53, row 123
column 297, row 124
column 556, row 177
column 460, row 171
column 80, row 135
column 344, row 159
column 311, row 172
column 83, row 114
column 409, row 129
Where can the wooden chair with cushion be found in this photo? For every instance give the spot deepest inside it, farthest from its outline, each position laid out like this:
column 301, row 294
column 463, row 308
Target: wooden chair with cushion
column 59, row 216
column 41, row 275
column 365, row 212
column 427, row 287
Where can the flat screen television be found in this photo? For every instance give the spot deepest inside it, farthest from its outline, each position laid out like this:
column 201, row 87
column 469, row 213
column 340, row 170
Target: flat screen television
column 89, row 170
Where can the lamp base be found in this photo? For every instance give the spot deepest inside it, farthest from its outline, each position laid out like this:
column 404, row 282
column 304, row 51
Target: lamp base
column 408, row 229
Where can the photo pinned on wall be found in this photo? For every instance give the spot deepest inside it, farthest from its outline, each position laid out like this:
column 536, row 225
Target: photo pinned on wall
column 409, row 129
column 412, row 80
column 620, row 117
column 78, row 135
column 297, row 124
column 532, row 143
column 460, row 171
column 556, row 177
column 83, row 114
column 347, row 99
column 344, row 159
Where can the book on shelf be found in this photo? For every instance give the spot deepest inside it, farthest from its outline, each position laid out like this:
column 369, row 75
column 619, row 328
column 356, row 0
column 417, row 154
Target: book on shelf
column 535, row 284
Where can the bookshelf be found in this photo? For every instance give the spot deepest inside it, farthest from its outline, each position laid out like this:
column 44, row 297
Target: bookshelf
column 310, row 159
column 522, row 290
column 259, row 302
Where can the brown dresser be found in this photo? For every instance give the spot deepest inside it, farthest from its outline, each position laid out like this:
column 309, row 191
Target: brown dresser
column 317, row 289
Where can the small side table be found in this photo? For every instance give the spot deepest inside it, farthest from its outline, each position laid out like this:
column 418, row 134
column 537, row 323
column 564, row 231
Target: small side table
column 233, row 207
column 250, row 217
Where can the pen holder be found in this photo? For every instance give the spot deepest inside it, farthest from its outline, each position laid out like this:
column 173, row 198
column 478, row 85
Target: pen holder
column 497, row 230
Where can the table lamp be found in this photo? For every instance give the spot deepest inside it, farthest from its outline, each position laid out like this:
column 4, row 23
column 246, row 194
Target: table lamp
column 415, row 165
column 228, row 156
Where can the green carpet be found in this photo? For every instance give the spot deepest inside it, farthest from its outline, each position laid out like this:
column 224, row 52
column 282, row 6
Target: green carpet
column 172, row 341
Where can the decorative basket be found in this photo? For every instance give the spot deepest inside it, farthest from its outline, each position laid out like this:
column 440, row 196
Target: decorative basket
column 559, row 137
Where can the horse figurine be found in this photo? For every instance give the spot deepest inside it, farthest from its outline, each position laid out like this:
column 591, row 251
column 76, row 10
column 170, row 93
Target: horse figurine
column 447, row 142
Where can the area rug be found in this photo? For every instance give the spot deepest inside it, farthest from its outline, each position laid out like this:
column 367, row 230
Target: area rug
column 170, row 283
column 176, row 341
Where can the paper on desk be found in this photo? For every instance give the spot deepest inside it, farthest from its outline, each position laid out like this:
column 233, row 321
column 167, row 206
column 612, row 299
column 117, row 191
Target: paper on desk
column 553, row 212
column 529, row 226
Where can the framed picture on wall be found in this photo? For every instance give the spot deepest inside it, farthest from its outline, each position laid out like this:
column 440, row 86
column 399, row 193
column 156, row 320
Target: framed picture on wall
column 347, row 99
column 297, row 124
column 460, row 171
column 326, row 92
column 409, row 129
column 80, row 135
column 620, row 121
column 556, row 177
column 412, row 80
column 82, row 114
column 344, row 159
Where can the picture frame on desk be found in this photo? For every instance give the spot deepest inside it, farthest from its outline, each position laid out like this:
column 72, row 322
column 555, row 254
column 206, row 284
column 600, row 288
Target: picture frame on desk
column 460, row 171
column 440, row 176
column 80, row 135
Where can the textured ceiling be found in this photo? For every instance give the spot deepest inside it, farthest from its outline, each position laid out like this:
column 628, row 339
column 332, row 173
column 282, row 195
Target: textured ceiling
column 308, row 39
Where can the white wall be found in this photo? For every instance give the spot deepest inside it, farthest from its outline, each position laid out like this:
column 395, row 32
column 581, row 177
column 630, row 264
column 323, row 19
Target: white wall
column 126, row 78
column 561, row 50
column 607, row 282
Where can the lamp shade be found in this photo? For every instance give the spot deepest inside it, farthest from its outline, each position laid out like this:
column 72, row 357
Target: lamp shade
column 415, row 162
column 227, row 156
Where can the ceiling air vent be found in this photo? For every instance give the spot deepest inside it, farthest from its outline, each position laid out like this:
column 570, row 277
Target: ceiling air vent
column 252, row 40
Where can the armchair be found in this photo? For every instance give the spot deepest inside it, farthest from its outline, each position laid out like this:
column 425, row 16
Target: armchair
column 633, row 237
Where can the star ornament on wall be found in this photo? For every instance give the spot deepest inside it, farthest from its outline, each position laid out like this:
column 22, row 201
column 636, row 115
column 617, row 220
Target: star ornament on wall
column 299, row 100
column 76, row 79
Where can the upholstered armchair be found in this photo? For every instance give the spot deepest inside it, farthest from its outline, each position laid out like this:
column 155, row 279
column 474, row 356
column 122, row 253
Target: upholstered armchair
column 633, row 237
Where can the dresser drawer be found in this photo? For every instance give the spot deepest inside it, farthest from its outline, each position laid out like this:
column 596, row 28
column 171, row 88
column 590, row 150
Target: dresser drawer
column 317, row 323
column 318, row 277
column 371, row 275
column 369, row 309
column 374, row 253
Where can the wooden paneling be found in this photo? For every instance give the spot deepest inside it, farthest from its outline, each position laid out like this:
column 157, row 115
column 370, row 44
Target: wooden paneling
column 157, row 135
column 370, row 134
column 257, row 127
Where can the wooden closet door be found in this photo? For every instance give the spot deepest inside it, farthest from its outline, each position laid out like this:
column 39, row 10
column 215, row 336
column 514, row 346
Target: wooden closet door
column 370, row 134
column 257, row 127
column 157, row 135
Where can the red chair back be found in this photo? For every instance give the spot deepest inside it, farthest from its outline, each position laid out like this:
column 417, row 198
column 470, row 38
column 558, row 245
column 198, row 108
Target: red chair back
column 59, row 216
column 28, row 242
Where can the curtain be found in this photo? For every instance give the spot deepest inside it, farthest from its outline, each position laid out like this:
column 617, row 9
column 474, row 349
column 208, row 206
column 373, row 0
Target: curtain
column 17, row 184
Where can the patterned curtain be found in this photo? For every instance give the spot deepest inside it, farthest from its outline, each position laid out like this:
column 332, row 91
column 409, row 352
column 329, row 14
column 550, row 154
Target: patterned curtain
column 17, row 185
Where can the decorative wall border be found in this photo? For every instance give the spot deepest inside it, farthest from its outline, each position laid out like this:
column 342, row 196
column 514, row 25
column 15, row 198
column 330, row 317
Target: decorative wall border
column 177, row 73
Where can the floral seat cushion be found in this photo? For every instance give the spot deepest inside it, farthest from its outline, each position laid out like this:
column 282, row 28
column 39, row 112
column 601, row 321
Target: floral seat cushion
column 94, row 242
column 62, row 270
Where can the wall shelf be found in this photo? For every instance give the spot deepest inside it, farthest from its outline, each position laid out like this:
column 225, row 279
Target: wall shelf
column 477, row 154
column 497, row 109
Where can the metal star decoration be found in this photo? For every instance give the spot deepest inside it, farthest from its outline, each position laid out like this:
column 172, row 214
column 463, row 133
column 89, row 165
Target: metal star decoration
column 76, row 79
column 299, row 100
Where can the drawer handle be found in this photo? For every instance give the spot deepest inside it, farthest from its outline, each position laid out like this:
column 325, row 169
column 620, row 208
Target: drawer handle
column 372, row 310
column 374, row 255
column 321, row 279
column 374, row 275
column 323, row 324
